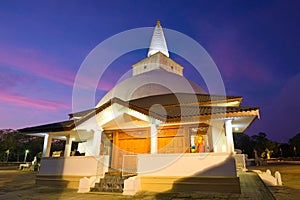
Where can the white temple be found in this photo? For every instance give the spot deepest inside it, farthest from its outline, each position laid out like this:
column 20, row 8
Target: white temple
column 158, row 129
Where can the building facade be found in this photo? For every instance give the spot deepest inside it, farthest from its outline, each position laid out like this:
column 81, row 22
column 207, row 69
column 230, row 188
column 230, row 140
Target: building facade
column 160, row 130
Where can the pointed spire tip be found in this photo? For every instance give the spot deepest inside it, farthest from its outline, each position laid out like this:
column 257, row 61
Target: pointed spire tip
column 158, row 23
column 158, row 41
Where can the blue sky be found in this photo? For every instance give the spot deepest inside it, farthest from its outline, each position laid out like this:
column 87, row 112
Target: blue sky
column 255, row 45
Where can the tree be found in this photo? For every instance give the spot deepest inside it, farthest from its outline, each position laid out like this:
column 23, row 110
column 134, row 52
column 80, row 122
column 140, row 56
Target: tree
column 264, row 147
column 285, row 150
column 17, row 143
column 14, row 142
column 295, row 145
column 244, row 143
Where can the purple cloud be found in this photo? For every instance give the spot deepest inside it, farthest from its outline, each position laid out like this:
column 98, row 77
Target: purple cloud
column 35, row 62
column 21, row 100
column 235, row 63
column 40, row 64
column 10, row 79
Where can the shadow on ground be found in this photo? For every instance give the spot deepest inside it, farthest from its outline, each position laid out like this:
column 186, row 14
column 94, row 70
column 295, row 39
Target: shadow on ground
column 17, row 184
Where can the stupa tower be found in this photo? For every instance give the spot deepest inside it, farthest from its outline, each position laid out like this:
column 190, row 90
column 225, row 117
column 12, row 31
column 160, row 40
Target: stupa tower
column 158, row 42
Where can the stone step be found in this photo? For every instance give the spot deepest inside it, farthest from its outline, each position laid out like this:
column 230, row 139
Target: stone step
column 112, row 182
column 108, row 187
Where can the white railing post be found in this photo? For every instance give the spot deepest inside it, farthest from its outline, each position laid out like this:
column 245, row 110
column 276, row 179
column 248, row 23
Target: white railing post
column 278, row 178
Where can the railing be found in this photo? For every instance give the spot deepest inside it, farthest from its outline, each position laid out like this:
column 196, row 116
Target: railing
column 129, row 165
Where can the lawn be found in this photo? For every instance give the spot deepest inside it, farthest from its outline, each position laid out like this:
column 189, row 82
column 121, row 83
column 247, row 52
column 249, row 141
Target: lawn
column 290, row 174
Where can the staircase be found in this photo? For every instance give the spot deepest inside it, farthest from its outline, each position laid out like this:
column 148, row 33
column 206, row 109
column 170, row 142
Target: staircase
column 112, row 182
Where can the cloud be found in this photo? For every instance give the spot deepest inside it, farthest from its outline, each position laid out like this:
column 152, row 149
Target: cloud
column 38, row 63
column 238, row 53
column 35, row 62
column 86, row 83
column 10, row 79
column 16, row 117
column 24, row 101
column 235, row 63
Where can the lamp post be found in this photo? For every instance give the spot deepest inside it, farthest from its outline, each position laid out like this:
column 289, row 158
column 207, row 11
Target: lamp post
column 7, row 154
column 26, row 152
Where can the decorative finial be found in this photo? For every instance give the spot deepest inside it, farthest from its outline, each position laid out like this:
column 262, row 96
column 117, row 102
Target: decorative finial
column 158, row 41
column 158, row 23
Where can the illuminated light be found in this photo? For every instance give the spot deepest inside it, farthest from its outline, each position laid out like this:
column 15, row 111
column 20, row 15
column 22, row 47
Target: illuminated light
column 236, row 129
column 233, row 103
column 25, row 156
column 73, row 139
column 194, row 129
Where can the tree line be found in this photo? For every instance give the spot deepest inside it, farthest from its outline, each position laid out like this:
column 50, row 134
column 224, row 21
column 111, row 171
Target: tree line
column 266, row 148
column 13, row 146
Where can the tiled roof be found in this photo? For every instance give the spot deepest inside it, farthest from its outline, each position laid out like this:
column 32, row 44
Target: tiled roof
column 169, row 100
column 70, row 124
column 176, row 113
column 53, row 127
column 81, row 113
column 162, row 107
column 180, row 99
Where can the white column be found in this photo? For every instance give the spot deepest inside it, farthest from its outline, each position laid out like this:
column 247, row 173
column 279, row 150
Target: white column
column 153, row 129
column 97, row 141
column 47, row 145
column 68, row 146
column 93, row 144
column 218, row 136
column 229, row 136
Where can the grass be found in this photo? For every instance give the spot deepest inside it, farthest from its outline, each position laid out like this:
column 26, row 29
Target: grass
column 290, row 174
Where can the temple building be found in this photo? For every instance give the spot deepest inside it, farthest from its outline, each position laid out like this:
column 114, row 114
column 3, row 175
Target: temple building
column 157, row 130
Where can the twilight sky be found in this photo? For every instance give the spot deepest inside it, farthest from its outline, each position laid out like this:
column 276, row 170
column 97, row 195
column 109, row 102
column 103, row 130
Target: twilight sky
column 255, row 44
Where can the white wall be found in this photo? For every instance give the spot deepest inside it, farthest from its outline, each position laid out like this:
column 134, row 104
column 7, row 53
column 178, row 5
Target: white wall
column 73, row 166
column 191, row 164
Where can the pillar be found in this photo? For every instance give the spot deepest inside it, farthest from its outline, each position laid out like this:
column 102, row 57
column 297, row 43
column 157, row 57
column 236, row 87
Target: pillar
column 68, row 146
column 47, row 145
column 97, row 141
column 153, row 141
column 93, row 143
column 229, row 136
column 219, row 143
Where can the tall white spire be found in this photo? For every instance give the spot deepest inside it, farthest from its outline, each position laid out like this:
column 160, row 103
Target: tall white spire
column 158, row 42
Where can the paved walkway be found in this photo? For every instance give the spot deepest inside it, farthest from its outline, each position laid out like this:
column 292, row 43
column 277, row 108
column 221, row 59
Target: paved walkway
column 21, row 185
column 251, row 188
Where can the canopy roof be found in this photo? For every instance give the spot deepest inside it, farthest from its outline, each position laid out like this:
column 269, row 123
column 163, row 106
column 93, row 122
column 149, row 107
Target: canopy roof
column 168, row 110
